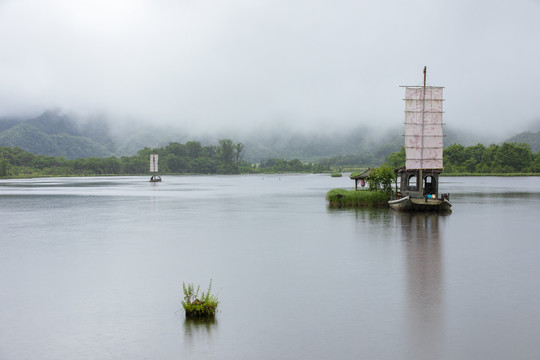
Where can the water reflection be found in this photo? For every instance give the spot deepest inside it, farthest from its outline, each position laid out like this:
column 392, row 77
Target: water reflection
column 363, row 215
column 375, row 216
column 198, row 334
column 424, row 283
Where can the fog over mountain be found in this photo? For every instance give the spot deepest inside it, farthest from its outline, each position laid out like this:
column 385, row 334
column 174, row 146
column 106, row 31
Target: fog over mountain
column 55, row 133
column 212, row 67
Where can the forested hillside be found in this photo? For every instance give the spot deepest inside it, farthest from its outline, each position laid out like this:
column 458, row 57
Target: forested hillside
column 53, row 134
column 56, row 134
column 479, row 159
column 32, row 139
column 531, row 138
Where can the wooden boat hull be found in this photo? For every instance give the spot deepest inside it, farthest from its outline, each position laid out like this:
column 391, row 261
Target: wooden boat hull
column 420, row 204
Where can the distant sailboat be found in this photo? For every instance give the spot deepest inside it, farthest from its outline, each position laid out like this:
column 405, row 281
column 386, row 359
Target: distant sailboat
column 419, row 185
column 154, row 168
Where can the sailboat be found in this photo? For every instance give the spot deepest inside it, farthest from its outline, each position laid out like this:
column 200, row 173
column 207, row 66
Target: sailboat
column 419, row 179
column 154, row 168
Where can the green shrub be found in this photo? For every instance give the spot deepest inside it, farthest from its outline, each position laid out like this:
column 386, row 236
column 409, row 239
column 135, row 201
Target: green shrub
column 381, row 179
column 196, row 306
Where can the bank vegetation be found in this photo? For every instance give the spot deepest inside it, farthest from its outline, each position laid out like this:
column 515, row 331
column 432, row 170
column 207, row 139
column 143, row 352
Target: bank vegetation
column 504, row 159
column 227, row 157
column 377, row 194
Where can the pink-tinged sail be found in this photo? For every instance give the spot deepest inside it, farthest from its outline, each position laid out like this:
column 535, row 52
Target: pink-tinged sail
column 154, row 163
column 423, row 127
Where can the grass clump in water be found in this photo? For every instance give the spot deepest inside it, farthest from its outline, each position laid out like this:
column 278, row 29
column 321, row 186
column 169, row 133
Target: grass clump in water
column 197, row 307
column 340, row 198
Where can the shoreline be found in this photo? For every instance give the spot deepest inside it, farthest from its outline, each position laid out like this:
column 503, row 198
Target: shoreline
column 255, row 173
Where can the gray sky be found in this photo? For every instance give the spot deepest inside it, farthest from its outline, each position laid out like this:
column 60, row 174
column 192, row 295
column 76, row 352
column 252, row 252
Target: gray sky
column 214, row 64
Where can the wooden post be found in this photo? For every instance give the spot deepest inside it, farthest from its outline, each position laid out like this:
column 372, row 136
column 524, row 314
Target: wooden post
column 395, row 179
column 421, row 179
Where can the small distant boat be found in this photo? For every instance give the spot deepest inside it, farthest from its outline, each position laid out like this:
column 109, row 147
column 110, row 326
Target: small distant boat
column 419, row 179
column 154, row 168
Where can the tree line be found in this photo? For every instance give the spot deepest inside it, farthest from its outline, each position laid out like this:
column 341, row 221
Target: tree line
column 191, row 157
column 227, row 157
column 480, row 159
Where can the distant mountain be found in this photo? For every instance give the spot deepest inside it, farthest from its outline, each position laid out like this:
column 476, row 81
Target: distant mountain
column 533, row 139
column 28, row 138
column 8, row 123
column 313, row 146
column 43, row 140
column 135, row 139
column 56, row 134
column 360, row 140
column 455, row 136
column 51, row 123
column 55, row 122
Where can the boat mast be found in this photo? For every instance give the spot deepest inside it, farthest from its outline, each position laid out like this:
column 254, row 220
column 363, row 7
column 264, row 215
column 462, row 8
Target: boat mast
column 421, row 178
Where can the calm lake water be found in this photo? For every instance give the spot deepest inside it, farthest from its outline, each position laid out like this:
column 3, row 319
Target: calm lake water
column 92, row 268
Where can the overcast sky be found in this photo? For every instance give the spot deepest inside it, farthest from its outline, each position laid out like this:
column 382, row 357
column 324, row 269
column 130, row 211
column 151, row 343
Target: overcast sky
column 212, row 64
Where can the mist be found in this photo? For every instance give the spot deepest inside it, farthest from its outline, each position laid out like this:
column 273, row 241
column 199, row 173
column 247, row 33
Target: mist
column 217, row 67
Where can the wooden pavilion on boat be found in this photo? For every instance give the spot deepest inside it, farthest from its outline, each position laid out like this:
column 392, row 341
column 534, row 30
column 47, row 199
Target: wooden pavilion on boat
column 418, row 182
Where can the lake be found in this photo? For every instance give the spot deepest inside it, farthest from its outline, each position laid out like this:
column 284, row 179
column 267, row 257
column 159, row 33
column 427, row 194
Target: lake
column 92, row 268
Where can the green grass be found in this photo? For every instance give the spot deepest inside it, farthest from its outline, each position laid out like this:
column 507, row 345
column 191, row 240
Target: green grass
column 199, row 306
column 336, row 174
column 340, row 198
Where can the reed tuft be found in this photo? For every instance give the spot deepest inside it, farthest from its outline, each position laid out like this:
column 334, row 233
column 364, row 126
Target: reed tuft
column 195, row 306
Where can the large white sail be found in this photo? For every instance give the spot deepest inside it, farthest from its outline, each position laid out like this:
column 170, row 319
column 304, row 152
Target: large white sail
column 423, row 127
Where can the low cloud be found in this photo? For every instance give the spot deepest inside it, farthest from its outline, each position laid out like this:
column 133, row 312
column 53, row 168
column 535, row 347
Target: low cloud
column 214, row 65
